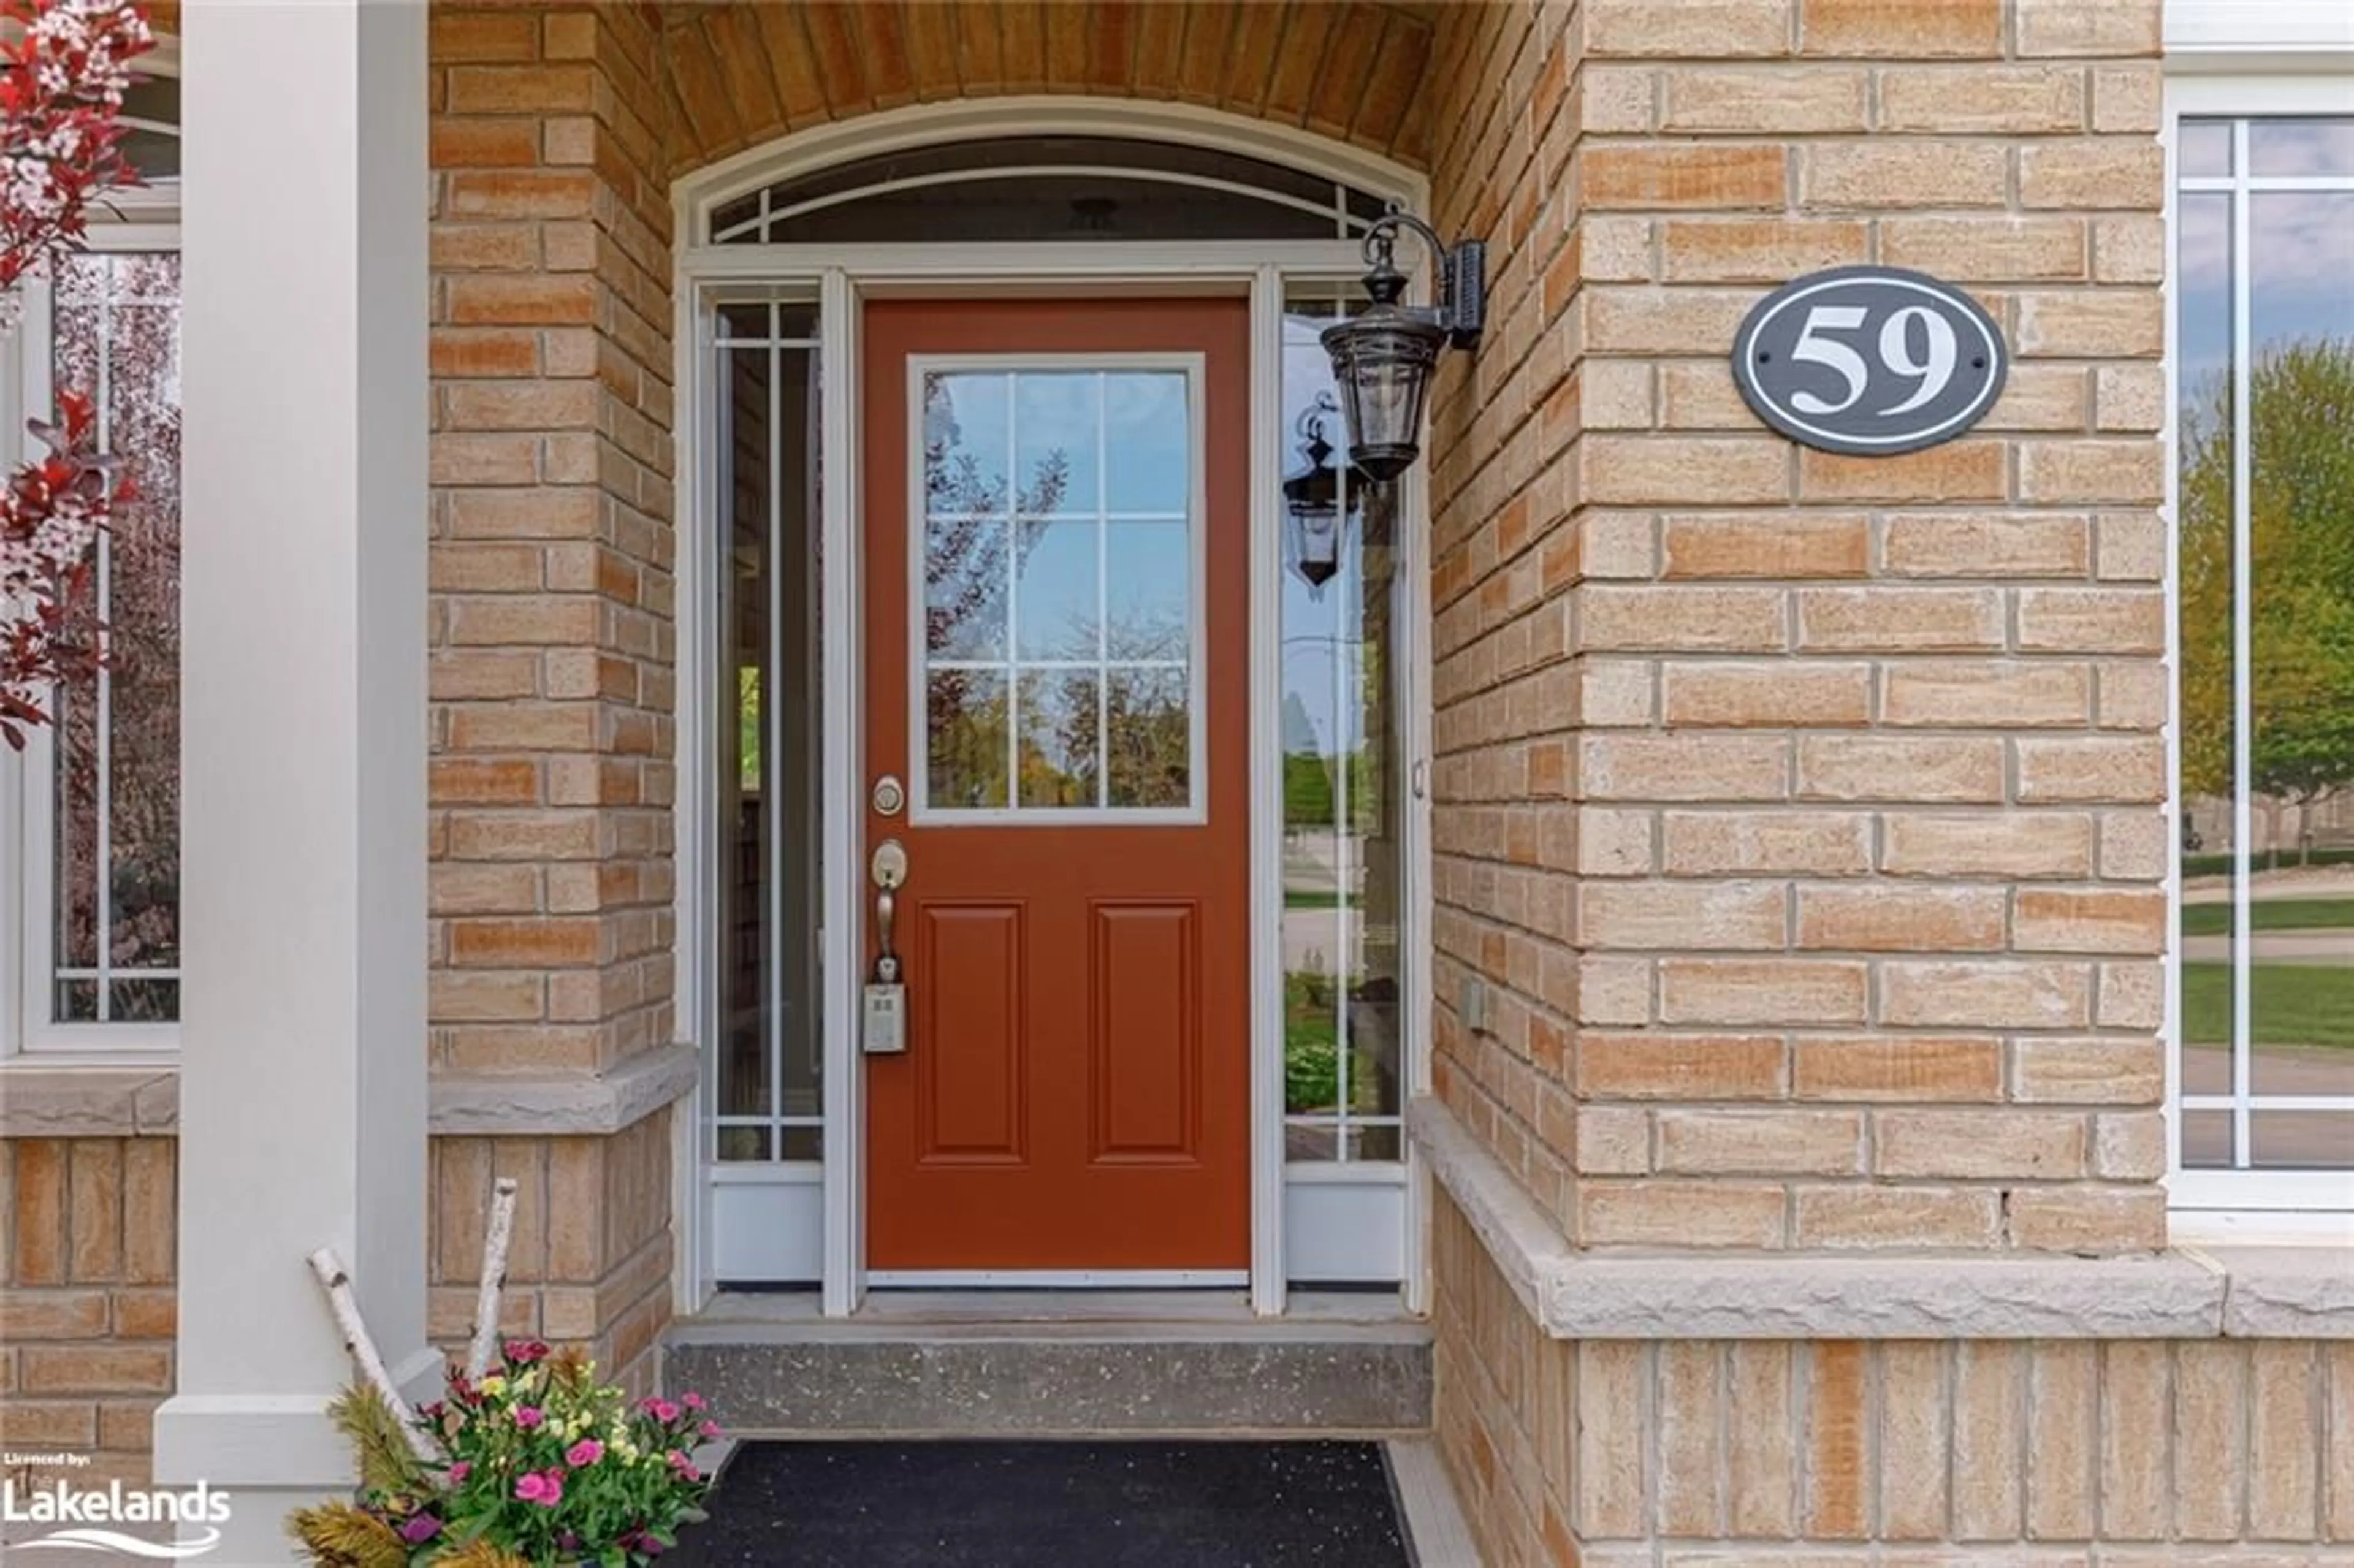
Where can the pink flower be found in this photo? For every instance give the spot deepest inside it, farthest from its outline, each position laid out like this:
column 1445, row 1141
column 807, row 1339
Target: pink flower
column 528, row 1416
column 460, row 1471
column 694, row 1401
column 523, row 1352
column 708, row 1429
column 661, row 1409
column 545, row 1488
column 588, row 1451
column 685, row 1467
column 420, row 1528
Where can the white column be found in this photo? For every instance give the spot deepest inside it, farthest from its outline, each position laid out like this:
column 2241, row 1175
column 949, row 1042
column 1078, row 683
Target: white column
column 303, row 1095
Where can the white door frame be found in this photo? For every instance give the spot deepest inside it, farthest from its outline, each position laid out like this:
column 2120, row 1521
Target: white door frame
column 842, row 279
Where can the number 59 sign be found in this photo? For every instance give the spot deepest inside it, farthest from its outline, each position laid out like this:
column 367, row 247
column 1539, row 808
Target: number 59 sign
column 1871, row 361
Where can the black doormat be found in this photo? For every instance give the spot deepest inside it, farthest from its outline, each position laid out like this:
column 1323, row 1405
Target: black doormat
column 1051, row 1505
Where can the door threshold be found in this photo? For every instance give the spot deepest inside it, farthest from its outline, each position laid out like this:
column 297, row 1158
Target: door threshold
column 1058, row 1279
column 1019, row 1308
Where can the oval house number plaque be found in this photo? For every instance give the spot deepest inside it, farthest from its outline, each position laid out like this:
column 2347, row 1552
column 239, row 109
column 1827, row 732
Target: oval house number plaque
column 1870, row 361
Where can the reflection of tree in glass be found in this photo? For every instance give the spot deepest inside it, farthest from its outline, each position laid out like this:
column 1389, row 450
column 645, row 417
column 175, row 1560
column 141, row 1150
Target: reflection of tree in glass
column 1139, row 715
column 2301, row 525
column 965, row 569
column 966, row 574
column 140, row 801
column 1151, row 738
column 964, row 745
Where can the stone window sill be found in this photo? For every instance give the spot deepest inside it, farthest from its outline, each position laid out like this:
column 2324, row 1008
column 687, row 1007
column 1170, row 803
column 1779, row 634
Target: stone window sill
column 44, row 1097
column 40, row 1098
column 2189, row 1292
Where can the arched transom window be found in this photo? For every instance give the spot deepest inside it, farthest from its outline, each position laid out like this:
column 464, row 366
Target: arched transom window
column 1038, row 187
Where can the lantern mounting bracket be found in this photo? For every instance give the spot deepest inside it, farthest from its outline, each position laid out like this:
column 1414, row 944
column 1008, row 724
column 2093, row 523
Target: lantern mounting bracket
column 1462, row 307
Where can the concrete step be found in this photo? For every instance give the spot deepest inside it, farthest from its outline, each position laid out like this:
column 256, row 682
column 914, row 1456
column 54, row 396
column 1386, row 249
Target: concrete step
column 982, row 1365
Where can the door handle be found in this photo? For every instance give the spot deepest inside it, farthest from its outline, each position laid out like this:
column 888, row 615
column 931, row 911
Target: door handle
column 889, row 869
column 882, row 1026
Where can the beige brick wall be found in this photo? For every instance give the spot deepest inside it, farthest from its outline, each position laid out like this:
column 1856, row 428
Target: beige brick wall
column 553, row 645
column 590, row 1259
column 1802, row 814
column 1931, row 1454
column 88, row 1310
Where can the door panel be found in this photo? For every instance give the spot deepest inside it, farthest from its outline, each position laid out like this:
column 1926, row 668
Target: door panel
column 1057, row 601
column 972, row 1096
column 1145, row 1043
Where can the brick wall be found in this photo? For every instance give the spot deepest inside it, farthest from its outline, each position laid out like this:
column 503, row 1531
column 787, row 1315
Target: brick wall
column 553, row 642
column 88, row 1310
column 590, row 1257
column 1800, row 813
column 1931, row 1454
column 554, row 645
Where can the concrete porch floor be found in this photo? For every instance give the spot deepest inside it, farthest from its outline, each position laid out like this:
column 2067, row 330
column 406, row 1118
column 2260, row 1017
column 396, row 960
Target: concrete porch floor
column 1033, row 1363
column 1081, row 1363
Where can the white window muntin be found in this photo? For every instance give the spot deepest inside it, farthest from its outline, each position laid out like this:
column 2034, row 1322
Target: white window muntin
column 2234, row 1198
column 922, row 811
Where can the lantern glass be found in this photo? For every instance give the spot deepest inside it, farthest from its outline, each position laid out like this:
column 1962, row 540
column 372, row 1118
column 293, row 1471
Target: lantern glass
column 1382, row 362
column 1315, row 546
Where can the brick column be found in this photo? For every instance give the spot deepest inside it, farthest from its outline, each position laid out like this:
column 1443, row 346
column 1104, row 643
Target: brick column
column 553, row 645
column 1854, row 941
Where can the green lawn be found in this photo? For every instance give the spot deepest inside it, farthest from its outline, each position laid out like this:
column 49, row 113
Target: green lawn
column 2270, row 915
column 2217, row 864
column 1325, row 898
column 2293, row 1004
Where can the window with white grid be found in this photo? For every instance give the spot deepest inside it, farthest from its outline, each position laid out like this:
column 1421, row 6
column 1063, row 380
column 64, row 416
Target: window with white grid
column 2263, row 372
column 89, row 811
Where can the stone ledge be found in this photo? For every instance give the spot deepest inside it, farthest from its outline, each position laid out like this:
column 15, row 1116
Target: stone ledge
column 2278, row 1293
column 2285, row 1292
column 483, row 1107
column 42, row 1099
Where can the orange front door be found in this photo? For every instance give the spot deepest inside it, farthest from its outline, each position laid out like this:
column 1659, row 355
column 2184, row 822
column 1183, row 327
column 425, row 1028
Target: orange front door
column 1056, row 592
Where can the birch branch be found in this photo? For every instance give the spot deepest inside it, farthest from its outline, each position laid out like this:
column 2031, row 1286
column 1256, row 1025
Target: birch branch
column 347, row 1308
column 485, row 1341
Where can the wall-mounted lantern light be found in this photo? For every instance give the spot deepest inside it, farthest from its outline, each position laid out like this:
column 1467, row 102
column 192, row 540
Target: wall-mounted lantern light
column 1382, row 360
column 1314, row 498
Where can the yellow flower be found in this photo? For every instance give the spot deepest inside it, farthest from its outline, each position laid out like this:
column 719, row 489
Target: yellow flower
column 493, row 1385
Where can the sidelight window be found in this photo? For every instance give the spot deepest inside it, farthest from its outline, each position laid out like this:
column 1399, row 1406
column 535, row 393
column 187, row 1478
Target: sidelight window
column 1346, row 602
column 2264, row 236
column 770, row 1051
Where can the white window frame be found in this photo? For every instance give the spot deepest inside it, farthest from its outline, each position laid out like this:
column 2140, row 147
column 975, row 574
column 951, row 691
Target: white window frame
column 135, row 222
column 2255, row 60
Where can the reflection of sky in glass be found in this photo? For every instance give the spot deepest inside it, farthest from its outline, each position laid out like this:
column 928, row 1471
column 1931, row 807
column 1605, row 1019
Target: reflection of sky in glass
column 2301, row 250
column 1147, row 574
column 2300, row 243
column 1054, row 601
column 975, row 404
column 1057, row 413
column 2301, row 146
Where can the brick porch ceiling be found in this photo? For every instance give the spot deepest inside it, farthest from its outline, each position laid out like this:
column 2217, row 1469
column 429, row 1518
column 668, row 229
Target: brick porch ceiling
column 744, row 72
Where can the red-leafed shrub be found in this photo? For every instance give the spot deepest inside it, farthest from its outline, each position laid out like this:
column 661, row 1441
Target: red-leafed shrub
column 64, row 67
